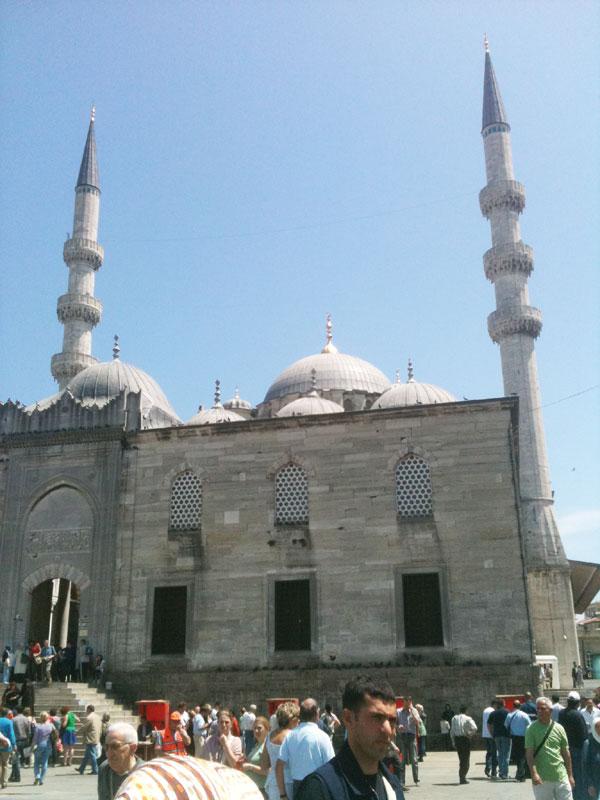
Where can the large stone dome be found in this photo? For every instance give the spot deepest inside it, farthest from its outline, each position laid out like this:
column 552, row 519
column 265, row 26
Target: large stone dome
column 99, row 384
column 413, row 393
column 339, row 377
column 333, row 371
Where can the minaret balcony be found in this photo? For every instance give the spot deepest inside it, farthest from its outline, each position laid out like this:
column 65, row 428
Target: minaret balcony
column 509, row 258
column 86, row 250
column 518, row 319
column 84, row 307
column 502, row 194
column 65, row 366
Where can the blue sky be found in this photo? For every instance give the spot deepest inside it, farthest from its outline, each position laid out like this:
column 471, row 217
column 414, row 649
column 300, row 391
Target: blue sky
column 264, row 163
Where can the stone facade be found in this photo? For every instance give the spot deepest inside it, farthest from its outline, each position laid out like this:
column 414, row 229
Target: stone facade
column 96, row 509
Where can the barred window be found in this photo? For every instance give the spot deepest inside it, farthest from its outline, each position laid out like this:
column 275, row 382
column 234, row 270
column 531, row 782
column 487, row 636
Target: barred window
column 413, row 487
column 186, row 502
column 291, row 496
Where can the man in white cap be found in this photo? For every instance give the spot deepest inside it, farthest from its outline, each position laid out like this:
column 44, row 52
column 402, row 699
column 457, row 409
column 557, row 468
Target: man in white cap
column 575, row 728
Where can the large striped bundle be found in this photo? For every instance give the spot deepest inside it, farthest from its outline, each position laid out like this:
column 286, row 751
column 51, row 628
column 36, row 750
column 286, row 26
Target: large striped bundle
column 187, row 778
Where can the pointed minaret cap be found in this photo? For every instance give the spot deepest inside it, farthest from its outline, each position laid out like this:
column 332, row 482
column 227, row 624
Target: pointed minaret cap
column 329, row 345
column 116, row 348
column 88, row 171
column 411, row 374
column 493, row 107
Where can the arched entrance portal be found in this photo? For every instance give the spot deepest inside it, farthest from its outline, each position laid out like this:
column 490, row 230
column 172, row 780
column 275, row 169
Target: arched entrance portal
column 54, row 612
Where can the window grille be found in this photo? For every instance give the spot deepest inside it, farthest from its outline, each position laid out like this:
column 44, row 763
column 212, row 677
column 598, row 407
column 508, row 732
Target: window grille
column 291, row 496
column 186, row 502
column 413, row 487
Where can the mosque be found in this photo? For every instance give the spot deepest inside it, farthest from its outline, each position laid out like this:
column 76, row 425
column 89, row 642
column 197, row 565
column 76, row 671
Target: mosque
column 344, row 522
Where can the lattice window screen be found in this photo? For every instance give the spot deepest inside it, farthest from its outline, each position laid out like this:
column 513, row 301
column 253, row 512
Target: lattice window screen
column 291, row 496
column 186, row 502
column 413, row 487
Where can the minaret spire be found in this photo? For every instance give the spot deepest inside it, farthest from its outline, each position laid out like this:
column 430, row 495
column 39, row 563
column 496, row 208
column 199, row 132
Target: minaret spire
column 514, row 326
column 493, row 107
column 78, row 310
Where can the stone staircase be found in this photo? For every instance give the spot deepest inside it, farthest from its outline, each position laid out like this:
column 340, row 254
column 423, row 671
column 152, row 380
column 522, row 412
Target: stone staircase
column 77, row 696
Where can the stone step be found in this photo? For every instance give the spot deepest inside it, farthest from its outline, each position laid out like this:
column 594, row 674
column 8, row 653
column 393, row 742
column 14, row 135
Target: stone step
column 77, row 696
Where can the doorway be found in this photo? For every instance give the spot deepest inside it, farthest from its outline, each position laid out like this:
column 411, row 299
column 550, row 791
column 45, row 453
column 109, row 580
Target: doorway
column 55, row 612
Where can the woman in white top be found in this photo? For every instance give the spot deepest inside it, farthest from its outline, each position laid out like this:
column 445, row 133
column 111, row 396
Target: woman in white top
column 288, row 716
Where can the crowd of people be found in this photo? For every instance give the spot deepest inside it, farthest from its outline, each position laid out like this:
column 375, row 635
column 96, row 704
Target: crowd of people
column 290, row 755
column 44, row 662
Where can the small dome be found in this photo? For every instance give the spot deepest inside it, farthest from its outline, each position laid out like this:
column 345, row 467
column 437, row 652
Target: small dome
column 100, row 383
column 211, row 416
column 310, row 404
column 237, row 402
column 216, row 414
column 413, row 393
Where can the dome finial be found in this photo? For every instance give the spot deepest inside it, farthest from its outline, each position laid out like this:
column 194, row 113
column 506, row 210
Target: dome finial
column 116, row 348
column 217, row 393
column 93, row 114
column 486, row 44
column 411, row 374
column 329, row 345
column 236, row 394
column 329, row 329
column 398, row 379
column 313, row 380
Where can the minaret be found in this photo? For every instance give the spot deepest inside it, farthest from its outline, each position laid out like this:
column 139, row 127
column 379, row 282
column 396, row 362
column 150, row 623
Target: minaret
column 514, row 326
column 78, row 310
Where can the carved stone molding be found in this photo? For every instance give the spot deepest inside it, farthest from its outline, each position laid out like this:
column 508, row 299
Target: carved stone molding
column 502, row 194
column 508, row 258
column 521, row 319
column 79, row 306
column 78, row 540
column 83, row 250
column 65, row 366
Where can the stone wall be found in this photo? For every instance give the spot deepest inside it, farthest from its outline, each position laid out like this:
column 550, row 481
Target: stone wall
column 354, row 549
column 433, row 686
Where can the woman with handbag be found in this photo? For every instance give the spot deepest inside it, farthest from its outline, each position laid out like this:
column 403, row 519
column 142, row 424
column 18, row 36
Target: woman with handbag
column 42, row 746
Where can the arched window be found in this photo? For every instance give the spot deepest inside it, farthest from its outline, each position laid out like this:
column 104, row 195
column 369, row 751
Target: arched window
column 291, row 496
column 413, row 487
column 186, row 502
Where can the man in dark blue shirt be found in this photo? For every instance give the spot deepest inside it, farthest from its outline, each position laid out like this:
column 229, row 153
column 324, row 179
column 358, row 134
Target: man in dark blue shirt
column 358, row 771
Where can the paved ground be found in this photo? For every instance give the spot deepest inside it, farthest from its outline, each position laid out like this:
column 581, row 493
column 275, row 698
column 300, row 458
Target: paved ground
column 439, row 780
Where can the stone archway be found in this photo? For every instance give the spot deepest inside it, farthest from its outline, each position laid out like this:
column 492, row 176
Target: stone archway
column 54, row 591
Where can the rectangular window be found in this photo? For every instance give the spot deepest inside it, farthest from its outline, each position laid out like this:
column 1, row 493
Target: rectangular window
column 422, row 604
column 169, row 620
column 292, row 615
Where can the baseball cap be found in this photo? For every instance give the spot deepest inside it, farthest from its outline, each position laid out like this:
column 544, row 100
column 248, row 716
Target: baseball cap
column 574, row 696
column 176, row 716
